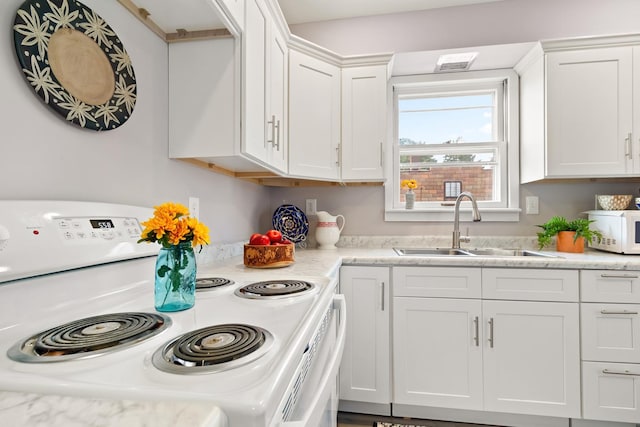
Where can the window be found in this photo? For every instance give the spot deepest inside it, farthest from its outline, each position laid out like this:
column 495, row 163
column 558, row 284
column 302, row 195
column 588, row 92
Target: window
column 453, row 133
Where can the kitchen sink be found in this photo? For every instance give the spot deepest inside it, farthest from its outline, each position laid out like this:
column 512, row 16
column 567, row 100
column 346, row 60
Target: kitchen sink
column 430, row 251
column 496, row 252
column 481, row 252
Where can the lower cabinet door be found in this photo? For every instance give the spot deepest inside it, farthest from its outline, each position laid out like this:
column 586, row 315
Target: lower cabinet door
column 437, row 356
column 611, row 391
column 531, row 358
column 365, row 368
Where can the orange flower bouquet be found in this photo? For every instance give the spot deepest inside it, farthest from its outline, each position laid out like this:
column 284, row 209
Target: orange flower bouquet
column 178, row 233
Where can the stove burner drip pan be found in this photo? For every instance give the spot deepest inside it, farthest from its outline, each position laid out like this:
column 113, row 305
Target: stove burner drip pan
column 272, row 289
column 213, row 349
column 89, row 337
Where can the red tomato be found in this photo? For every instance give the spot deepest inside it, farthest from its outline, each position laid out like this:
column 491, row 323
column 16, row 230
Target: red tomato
column 286, row 242
column 259, row 239
column 274, row 236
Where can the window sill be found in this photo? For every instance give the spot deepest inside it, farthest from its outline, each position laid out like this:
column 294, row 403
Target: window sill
column 446, row 215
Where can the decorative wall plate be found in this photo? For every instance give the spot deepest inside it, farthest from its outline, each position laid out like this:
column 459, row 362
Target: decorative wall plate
column 75, row 62
column 291, row 222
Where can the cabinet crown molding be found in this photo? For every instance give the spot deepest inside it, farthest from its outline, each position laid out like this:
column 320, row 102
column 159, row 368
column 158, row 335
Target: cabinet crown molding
column 324, row 54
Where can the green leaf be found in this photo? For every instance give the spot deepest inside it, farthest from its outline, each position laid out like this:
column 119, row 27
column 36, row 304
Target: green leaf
column 163, row 270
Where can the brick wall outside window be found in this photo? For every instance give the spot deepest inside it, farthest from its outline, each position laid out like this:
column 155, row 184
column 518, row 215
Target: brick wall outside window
column 476, row 180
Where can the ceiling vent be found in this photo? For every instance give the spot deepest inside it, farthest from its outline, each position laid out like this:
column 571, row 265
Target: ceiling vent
column 455, row 62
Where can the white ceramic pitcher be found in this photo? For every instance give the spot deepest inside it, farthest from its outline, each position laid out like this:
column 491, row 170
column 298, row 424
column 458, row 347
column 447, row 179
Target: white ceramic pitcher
column 327, row 230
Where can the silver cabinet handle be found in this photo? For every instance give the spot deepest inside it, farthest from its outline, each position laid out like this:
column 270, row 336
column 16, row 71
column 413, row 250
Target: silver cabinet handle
column 476, row 326
column 277, row 131
column 618, row 312
column 618, row 276
column 625, row 372
column 338, row 155
column 381, row 153
column 382, row 296
column 491, row 332
column 628, row 153
column 272, row 122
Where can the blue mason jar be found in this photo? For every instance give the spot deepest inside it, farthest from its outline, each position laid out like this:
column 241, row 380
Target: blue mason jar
column 175, row 284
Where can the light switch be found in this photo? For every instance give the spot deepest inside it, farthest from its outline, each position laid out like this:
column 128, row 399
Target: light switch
column 532, row 205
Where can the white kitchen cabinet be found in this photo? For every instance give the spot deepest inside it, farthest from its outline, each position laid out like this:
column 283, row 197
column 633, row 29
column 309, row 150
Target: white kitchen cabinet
column 234, row 9
column 204, row 113
column 437, row 352
column 481, row 354
column 364, row 103
column 314, row 117
column 526, row 284
column 365, row 368
column 576, row 111
column 610, row 325
column 532, row 358
column 265, row 74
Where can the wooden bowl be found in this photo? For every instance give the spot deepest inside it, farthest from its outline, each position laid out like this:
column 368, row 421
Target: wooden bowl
column 268, row 256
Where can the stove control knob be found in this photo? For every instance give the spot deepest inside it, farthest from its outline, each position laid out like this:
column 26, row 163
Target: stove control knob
column 4, row 237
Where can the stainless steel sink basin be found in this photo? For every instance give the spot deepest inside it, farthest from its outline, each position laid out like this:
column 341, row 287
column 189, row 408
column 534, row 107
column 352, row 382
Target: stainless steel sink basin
column 480, row 252
column 496, row 252
column 430, row 252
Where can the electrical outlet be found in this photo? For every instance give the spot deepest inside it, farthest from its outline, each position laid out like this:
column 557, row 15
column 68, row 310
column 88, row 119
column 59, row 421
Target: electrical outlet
column 194, row 207
column 532, row 205
column 311, row 206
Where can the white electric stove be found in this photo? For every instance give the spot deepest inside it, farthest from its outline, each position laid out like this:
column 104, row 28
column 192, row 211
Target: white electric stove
column 77, row 318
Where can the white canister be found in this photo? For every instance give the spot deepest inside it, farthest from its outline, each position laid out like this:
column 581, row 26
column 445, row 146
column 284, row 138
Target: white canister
column 327, row 230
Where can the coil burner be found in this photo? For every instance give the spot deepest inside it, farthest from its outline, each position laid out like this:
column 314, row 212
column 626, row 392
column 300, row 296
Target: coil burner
column 275, row 289
column 89, row 337
column 213, row 349
column 208, row 283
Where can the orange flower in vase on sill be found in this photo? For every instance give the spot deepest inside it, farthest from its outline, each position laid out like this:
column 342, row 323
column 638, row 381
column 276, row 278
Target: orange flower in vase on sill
column 175, row 275
column 409, row 196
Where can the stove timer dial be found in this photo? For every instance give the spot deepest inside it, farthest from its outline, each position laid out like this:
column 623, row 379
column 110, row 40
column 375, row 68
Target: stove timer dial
column 4, row 237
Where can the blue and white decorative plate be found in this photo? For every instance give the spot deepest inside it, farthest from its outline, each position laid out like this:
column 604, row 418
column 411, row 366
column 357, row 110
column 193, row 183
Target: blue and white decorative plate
column 291, row 222
column 75, row 62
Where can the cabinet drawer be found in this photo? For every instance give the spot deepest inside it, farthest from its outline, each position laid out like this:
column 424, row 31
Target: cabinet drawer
column 530, row 284
column 610, row 286
column 611, row 332
column 437, row 282
column 611, row 391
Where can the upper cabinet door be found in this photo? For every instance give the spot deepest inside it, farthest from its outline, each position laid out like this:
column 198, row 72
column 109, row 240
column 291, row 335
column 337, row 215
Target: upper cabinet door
column 276, row 99
column 589, row 105
column 364, row 103
column 257, row 22
column 265, row 73
column 314, row 117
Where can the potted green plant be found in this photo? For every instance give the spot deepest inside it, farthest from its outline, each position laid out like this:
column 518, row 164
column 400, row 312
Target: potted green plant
column 571, row 234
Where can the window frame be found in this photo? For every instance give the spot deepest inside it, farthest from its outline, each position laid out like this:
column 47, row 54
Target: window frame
column 509, row 181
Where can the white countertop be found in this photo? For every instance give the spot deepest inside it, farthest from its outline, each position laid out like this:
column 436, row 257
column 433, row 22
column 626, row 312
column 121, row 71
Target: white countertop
column 33, row 410
column 40, row 410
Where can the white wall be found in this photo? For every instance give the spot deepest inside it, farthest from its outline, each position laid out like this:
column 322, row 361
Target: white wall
column 511, row 21
column 44, row 157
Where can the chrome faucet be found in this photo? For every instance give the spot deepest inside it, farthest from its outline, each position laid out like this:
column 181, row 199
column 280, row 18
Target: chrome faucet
column 456, row 218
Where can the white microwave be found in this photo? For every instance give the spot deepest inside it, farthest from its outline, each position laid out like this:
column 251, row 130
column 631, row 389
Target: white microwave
column 620, row 231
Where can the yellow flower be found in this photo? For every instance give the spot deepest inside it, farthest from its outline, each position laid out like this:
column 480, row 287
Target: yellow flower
column 172, row 225
column 409, row 183
column 200, row 232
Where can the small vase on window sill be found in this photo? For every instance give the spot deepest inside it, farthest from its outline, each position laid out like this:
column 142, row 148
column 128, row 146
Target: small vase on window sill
column 409, row 199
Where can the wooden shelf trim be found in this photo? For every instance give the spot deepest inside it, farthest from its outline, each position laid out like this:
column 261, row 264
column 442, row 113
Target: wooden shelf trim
column 180, row 35
column 270, row 179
